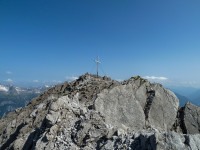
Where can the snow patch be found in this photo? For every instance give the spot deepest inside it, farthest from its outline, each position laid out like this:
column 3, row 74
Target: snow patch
column 19, row 90
column 4, row 88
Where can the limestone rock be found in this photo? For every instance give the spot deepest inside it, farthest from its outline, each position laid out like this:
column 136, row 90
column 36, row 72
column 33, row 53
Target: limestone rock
column 152, row 139
column 191, row 118
column 120, row 108
column 163, row 110
column 138, row 104
column 100, row 113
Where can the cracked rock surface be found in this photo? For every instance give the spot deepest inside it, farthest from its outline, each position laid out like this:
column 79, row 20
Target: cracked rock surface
column 191, row 118
column 100, row 113
column 136, row 106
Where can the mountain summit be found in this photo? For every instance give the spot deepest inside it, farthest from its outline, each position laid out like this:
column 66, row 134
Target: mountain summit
column 95, row 112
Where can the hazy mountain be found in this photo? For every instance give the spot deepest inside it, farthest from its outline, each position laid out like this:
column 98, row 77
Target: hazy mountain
column 195, row 97
column 185, row 91
column 187, row 94
column 182, row 99
column 12, row 97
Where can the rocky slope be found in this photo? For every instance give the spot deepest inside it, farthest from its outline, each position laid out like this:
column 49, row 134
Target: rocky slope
column 99, row 113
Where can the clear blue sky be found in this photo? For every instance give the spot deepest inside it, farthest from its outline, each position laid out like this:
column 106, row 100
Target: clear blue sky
column 48, row 40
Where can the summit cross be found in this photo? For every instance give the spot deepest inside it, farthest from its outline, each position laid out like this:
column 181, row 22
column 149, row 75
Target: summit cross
column 98, row 62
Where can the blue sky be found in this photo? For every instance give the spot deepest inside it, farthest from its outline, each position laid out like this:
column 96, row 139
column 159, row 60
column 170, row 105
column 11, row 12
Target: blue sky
column 49, row 40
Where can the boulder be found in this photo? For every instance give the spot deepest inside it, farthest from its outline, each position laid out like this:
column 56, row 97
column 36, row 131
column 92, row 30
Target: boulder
column 191, row 118
column 121, row 108
column 138, row 104
column 164, row 107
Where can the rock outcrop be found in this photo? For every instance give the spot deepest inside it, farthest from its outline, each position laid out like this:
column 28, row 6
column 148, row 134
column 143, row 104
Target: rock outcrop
column 137, row 105
column 99, row 113
column 191, row 118
column 153, row 139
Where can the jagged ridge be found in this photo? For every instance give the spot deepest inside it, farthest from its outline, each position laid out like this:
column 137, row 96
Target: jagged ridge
column 99, row 113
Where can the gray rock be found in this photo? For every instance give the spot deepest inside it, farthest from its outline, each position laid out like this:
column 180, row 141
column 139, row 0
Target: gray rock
column 152, row 139
column 99, row 113
column 120, row 108
column 138, row 104
column 191, row 118
column 163, row 110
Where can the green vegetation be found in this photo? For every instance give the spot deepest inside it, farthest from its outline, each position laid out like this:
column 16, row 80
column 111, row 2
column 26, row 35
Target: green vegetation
column 139, row 78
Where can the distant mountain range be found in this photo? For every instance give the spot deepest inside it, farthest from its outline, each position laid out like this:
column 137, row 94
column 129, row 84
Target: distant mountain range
column 12, row 97
column 186, row 94
column 195, row 97
column 182, row 99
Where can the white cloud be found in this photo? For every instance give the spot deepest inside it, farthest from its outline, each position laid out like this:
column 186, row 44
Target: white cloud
column 55, row 81
column 72, row 78
column 155, row 78
column 8, row 80
column 35, row 81
column 8, row 72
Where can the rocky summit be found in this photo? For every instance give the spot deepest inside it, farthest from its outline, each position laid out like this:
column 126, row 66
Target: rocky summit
column 95, row 112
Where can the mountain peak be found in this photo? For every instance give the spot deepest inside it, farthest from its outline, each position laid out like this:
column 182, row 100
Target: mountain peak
column 96, row 112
